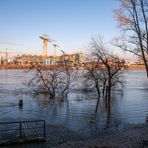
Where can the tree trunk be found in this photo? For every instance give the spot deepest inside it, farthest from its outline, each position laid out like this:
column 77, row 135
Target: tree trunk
column 97, row 105
column 109, row 91
column 146, row 67
column 98, row 90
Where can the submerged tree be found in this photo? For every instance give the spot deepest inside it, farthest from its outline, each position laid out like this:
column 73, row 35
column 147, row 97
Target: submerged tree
column 132, row 17
column 92, row 74
column 105, row 71
column 54, row 82
column 44, row 81
column 68, row 76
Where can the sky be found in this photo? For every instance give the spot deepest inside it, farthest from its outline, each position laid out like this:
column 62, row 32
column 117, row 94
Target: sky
column 72, row 23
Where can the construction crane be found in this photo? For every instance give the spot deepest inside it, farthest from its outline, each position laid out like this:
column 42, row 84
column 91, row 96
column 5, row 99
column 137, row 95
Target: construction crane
column 63, row 52
column 45, row 40
column 6, row 55
column 55, row 46
column 4, row 42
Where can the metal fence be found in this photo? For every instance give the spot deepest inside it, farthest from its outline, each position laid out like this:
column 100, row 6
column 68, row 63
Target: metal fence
column 22, row 130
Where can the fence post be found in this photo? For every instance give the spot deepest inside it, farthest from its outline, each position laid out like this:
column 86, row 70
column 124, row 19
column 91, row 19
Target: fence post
column 44, row 129
column 20, row 130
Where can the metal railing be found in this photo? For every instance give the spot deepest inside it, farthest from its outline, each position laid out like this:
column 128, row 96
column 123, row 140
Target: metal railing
column 22, row 130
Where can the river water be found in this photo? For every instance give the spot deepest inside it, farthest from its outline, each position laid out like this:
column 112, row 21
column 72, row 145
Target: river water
column 128, row 106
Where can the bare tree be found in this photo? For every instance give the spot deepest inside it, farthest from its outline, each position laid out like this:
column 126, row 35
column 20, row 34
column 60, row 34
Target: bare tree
column 68, row 76
column 92, row 77
column 107, row 70
column 45, row 81
column 92, row 74
column 132, row 17
column 54, row 82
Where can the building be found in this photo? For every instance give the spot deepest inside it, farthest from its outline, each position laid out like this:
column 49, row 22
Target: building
column 28, row 59
column 69, row 59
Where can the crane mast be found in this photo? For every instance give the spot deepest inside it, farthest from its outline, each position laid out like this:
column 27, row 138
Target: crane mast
column 45, row 40
column 55, row 46
column 6, row 55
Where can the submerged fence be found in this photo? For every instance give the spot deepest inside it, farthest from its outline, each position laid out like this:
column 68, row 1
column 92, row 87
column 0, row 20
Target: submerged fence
column 22, row 130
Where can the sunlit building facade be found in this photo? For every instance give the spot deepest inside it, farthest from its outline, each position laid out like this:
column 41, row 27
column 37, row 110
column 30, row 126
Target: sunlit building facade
column 69, row 59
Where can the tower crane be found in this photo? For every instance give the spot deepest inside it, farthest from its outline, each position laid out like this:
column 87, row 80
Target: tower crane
column 63, row 52
column 6, row 55
column 55, row 46
column 10, row 43
column 45, row 40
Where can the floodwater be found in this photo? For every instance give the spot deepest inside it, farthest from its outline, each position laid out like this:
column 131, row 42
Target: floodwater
column 128, row 106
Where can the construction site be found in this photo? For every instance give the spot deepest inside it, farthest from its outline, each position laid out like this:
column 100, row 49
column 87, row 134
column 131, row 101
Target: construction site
column 12, row 60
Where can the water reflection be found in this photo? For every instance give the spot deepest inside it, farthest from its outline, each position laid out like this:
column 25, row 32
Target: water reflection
column 82, row 112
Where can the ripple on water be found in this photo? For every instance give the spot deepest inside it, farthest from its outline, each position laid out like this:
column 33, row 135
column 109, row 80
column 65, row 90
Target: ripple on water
column 131, row 107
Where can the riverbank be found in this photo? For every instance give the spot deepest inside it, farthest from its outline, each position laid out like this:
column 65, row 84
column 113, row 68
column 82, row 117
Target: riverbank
column 129, row 137
column 125, row 136
column 48, row 67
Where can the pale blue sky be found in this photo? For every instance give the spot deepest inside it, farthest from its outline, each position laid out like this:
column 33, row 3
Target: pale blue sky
column 71, row 23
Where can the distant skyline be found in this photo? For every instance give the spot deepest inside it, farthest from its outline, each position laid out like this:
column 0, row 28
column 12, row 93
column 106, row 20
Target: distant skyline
column 72, row 23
